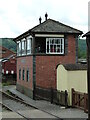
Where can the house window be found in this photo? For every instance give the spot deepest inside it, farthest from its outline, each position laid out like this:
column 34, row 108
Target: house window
column 29, row 45
column 23, row 47
column 18, row 48
column 27, row 74
column 3, row 51
column 55, row 45
column 23, row 74
column 19, row 74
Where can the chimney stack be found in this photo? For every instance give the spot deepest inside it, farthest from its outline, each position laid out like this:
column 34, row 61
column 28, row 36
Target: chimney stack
column 40, row 19
column 46, row 15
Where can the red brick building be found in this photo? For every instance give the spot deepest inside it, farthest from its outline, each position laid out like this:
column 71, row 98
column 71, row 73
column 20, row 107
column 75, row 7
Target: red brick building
column 8, row 62
column 40, row 49
column 4, row 52
column 9, row 65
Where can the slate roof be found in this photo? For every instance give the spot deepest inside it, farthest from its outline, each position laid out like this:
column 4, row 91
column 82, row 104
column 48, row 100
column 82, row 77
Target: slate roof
column 51, row 26
column 55, row 27
column 72, row 67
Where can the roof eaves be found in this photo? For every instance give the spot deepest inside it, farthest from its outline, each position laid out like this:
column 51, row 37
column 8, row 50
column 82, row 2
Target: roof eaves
column 87, row 34
column 32, row 30
column 22, row 35
column 68, row 26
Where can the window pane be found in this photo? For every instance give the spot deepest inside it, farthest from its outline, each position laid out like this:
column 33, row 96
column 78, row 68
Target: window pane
column 27, row 75
column 19, row 74
column 19, row 48
column 23, row 75
column 48, row 48
column 23, row 47
column 58, row 48
column 51, row 48
column 58, row 41
column 28, row 46
column 54, row 48
column 19, row 45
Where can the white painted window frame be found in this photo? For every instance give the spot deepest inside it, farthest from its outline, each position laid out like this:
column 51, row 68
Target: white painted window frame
column 49, row 39
column 18, row 48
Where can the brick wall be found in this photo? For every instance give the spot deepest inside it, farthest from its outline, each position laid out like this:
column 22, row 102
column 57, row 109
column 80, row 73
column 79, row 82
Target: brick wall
column 46, row 65
column 25, row 63
column 9, row 66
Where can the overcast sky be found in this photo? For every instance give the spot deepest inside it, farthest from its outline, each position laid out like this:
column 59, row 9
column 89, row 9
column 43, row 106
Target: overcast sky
column 17, row 16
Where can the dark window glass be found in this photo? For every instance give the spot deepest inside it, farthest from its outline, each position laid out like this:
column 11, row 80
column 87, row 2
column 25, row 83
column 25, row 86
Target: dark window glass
column 19, row 74
column 23, row 74
column 27, row 75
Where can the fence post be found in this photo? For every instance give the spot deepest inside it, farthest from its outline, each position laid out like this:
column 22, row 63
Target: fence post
column 34, row 93
column 51, row 95
column 66, row 99
column 84, row 102
column 73, row 97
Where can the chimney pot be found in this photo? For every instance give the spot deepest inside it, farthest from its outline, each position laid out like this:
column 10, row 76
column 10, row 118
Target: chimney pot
column 46, row 15
column 40, row 19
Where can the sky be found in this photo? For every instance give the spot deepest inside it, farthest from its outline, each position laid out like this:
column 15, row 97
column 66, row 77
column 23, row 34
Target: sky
column 18, row 16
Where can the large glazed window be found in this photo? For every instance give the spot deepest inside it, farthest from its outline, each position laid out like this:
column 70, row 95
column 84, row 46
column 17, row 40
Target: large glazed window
column 23, row 47
column 55, row 45
column 18, row 48
column 29, row 45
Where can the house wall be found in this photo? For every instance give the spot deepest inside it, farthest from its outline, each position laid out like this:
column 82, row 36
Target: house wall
column 22, row 85
column 62, row 78
column 9, row 66
column 46, row 65
column 74, row 79
column 78, row 81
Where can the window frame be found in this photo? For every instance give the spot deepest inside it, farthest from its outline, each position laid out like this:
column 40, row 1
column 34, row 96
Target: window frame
column 28, row 47
column 19, row 48
column 53, row 42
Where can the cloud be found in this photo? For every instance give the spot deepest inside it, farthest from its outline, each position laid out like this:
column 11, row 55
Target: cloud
column 17, row 16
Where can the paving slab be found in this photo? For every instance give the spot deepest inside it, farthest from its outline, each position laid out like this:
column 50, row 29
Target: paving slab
column 52, row 108
column 35, row 114
column 10, row 115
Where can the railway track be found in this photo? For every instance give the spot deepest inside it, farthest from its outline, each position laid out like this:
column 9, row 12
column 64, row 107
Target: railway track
column 4, row 106
column 17, row 105
column 14, row 104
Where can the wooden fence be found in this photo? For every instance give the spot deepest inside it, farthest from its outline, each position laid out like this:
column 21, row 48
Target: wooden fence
column 52, row 95
column 86, row 102
column 80, row 100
